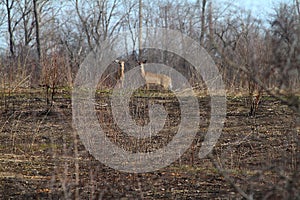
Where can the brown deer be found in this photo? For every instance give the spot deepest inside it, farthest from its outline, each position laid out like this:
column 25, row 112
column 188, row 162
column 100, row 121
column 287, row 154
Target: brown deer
column 152, row 78
column 255, row 97
column 120, row 74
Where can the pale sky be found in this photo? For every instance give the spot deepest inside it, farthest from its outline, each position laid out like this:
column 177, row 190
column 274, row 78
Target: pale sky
column 259, row 8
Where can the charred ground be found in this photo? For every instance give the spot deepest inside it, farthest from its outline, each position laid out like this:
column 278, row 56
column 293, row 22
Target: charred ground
column 39, row 152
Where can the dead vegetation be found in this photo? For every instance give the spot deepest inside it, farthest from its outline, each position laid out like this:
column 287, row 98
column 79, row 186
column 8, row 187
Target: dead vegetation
column 258, row 154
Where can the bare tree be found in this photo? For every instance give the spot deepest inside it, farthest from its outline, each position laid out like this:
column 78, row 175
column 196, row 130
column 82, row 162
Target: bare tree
column 140, row 28
column 26, row 14
column 286, row 45
column 203, row 27
column 9, row 9
column 100, row 19
column 37, row 29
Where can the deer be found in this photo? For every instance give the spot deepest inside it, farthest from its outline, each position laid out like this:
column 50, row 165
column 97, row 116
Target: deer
column 254, row 104
column 255, row 95
column 152, row 78
column 120, row 74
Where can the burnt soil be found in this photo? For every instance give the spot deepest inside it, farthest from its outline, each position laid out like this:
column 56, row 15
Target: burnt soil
column 42, row 156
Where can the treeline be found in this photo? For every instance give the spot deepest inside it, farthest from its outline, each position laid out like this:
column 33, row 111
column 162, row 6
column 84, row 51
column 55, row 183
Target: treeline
column 44, row 41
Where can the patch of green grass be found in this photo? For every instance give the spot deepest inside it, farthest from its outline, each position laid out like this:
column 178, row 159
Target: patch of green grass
column 104, row 91
column 152, row 93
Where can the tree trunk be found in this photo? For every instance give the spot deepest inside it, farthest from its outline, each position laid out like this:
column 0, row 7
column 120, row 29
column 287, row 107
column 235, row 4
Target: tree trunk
column 10, row 30
column 37, row 68
column 140, row 28
column 203, row 28
column 37, row 29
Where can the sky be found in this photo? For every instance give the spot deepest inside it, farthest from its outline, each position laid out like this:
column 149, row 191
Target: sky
column 259, row 8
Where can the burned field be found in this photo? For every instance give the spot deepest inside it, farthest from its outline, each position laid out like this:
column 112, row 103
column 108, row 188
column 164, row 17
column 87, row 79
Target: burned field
column 41, row 155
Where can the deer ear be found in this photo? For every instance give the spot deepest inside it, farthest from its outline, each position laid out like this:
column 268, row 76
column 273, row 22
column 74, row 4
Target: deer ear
column 117, row 61
column 144, row 61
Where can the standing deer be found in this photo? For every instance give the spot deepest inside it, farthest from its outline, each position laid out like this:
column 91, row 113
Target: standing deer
column 120, row 74
column 152, row 78
column 255, row 95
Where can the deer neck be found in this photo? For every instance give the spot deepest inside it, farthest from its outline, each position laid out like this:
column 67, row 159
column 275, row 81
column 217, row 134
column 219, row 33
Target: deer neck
column 122, row 68
column 142, row 70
